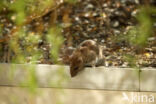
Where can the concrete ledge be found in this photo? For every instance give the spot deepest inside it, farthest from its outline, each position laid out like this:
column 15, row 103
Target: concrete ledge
column 148, row 79
column 105, row 78
column 17, row 95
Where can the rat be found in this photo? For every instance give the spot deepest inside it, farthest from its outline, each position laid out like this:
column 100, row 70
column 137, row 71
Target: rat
column 86, row 54
column 66, row 54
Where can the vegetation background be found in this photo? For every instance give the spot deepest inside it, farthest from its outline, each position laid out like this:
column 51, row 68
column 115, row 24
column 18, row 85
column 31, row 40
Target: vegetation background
column 39, row 31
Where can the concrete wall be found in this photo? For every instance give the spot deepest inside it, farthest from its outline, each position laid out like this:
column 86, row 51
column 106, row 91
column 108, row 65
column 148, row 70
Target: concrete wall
column 16, row 95
column 102, row 85
column 100, row 78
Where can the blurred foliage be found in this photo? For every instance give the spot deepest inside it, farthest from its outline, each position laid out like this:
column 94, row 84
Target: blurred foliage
column 55, row 39
column 138, row 35
column 19, row 7
column 71, row 1
column 23, row 42
column 38, row 6
column 31, row 82
column 29, row 8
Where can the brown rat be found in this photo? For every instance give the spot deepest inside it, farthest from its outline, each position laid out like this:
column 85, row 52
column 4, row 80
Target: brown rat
column 81, row 57
column 87, row 53
column 66, row 54
column 91, row 44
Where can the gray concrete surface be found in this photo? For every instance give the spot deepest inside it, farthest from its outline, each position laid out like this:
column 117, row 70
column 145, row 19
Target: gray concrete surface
column 148, row 79
column 103, row 78
column 16, row 95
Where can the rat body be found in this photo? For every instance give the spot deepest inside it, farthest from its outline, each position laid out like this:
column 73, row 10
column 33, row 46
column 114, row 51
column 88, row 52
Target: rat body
column 87, row 54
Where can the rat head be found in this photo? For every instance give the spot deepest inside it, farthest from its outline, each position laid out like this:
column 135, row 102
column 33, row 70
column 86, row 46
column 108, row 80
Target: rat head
column 76, row 64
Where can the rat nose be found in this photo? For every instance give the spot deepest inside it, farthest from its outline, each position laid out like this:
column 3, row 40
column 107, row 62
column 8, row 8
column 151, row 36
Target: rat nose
column 73, row 73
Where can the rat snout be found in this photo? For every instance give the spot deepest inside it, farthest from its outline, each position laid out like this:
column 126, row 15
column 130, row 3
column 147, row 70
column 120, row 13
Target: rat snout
column 73, row 71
